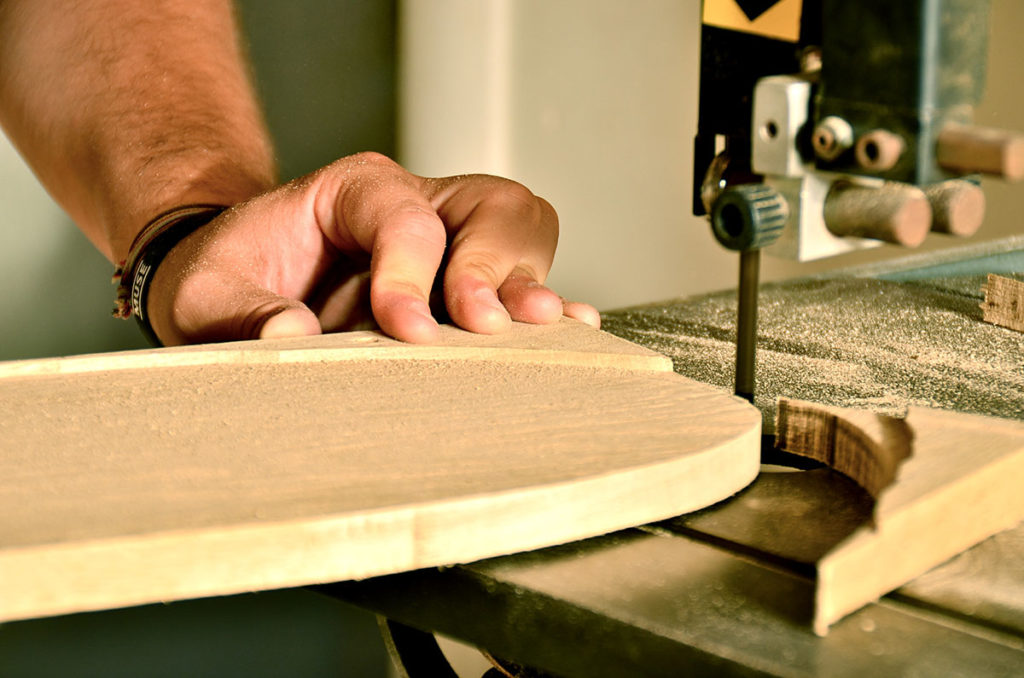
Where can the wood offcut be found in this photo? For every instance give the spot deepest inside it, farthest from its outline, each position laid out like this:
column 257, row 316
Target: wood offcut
column 866, row 446
column 1004, row 302
column 959, row 485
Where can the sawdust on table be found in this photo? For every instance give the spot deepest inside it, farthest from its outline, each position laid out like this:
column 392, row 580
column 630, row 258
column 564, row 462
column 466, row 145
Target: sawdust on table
column 851, row 342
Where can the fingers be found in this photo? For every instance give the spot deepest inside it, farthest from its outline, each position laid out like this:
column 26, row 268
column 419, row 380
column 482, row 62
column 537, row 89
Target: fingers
column 502, row 265
column 585, row 313
column 502, row 242
column 407, row 252
column 303, row 258
column 527, row 300
column 284, row 320
column 502, row 247
column 381, row 209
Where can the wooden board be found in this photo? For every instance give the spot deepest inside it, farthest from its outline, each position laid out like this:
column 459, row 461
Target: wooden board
column 960, row 484
column 173, row 473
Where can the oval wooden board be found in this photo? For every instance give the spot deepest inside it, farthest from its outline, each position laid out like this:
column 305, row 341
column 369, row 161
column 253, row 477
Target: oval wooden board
column 175, row 473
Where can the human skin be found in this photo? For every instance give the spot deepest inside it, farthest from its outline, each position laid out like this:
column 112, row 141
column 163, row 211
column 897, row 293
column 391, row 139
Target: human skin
column 127, row 109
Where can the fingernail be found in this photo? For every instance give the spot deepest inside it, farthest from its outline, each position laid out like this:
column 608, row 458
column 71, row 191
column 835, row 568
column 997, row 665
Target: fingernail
column 421, row 309
column 421, row 328
column 486, row 296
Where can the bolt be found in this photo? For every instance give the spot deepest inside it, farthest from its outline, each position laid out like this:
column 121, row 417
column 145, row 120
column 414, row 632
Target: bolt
column 831, row 138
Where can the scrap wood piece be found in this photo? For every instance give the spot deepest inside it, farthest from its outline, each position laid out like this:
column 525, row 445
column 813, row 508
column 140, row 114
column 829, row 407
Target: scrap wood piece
column 865, row 446
column 1004, row 302
column 568, row 342
column 960, row 485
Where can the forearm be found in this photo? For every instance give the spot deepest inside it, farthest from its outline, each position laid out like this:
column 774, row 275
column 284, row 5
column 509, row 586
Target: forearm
column 125, row 109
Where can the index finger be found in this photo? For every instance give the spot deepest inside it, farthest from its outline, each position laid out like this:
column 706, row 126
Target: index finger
column 380, row 209
column 503, row 243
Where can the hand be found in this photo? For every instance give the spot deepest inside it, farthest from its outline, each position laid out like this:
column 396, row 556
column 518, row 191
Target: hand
column 304, row 258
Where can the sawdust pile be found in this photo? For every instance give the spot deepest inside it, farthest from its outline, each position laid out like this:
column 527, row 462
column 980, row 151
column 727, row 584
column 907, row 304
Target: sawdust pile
column 847, row 341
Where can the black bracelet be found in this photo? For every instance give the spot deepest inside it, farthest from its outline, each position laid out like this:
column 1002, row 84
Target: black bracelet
column 134, row 275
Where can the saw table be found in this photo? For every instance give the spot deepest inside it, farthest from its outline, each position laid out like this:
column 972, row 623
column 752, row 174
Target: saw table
column 726, row 590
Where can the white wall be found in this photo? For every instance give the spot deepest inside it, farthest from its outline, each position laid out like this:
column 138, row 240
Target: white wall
column 592, row 103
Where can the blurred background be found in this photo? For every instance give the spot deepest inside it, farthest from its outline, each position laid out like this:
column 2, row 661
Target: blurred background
column 326, row 72
column 590, row 103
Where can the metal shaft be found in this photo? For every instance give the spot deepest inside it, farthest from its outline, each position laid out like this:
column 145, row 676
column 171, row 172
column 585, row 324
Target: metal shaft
column 746, row 323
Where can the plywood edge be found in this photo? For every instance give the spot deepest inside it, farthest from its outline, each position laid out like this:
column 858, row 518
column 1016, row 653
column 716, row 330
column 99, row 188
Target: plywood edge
column 865, row 446
column 568, row 343
column 48, row 580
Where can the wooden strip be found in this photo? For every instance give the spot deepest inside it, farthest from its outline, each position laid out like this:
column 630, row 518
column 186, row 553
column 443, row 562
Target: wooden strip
column 567, row 343
column 790, row 520
column 125, row 485
column 1004, row 302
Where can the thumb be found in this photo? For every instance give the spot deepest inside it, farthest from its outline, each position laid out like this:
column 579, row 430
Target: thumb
column 294, row 320
column 216, row 308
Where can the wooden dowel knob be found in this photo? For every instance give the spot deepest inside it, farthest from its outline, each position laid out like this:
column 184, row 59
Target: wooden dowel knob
column 958, row 207
column 893, row 212
column 966, row 148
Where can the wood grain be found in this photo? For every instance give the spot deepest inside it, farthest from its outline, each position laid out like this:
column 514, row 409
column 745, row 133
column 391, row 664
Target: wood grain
column 960, row 485
column 966, row 149
column 865, row 446
column 159, row 475
column 1004, row 302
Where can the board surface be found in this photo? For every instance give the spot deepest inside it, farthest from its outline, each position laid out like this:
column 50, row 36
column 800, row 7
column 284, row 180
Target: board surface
column 158, row 475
